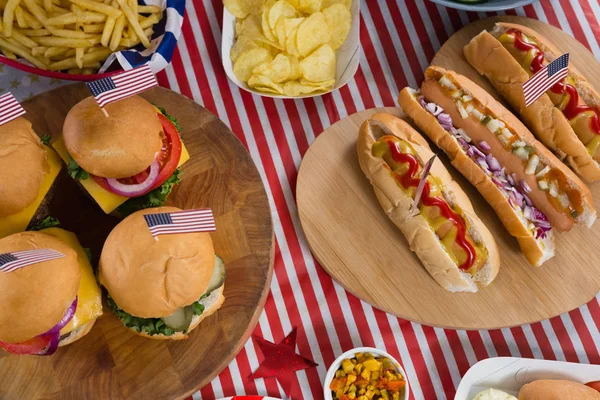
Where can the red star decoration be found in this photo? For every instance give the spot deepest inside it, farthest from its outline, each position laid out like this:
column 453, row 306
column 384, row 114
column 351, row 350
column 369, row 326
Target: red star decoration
column 281, row 360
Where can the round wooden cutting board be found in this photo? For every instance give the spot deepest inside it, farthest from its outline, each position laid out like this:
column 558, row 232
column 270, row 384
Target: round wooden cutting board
column 112, row 363
column 363, row 250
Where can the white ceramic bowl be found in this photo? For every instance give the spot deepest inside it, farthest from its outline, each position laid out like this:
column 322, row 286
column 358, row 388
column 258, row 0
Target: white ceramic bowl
column 491, row 5
column 350, row 354
column 348, row 55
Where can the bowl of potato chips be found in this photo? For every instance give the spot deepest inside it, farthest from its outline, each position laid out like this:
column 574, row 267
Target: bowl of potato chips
column 88, row 39
column 290, row 48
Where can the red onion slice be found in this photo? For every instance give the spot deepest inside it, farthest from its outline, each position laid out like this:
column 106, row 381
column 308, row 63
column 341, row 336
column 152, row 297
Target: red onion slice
column 484, row 146
column 65, row 319
column 135, row 190
column 52, row 346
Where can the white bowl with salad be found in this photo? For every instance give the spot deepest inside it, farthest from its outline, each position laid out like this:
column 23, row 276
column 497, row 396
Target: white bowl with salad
column 368, row 373
column 483, row 5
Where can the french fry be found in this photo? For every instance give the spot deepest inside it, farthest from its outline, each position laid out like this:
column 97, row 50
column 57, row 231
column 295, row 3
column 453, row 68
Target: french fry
column 93, row 28
column 79, row 52
column 20, row 17
column 70, row 53
column 39, row 50
column 31, row 21
column 55, row 51
column 148, row 22
column 9, row 16
column 117, row 33
column 99, row 7
column 89, row 61
column 35, row 32
column 57, row 10
column 24, row 40
column 134, row 23
column 149, row 9
column 67, row 33
column 128, row 43
column 108, row 30
column 37, row 11
column 72, row 18
column 6, row 45
column 62, row 42
column 8, row 54
column 48, row 6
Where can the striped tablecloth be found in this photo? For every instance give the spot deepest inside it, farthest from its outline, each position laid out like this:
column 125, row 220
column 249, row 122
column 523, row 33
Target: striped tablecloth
column 398, row 39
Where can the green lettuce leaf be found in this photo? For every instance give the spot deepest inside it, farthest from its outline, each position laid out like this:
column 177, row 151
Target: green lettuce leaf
column 46, row 139
column 48, row 222
column 170, row 118
column 155, row 198
column 75, row 171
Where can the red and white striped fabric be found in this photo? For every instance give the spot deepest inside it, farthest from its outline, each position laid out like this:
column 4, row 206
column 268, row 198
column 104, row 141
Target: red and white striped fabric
column 398, row 39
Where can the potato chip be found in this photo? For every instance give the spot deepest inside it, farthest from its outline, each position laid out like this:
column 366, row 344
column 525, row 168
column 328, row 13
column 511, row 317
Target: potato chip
column 279, row 32
column 280, row 9
column 323, row 85
column 295, row 72
column 265, row 84
column 339, row 20
column 242, row 45
column 329, row 3
column 278, row 70
column 238, row 26
column 295, row 88
column 290, row 24
column 320, row 65
column 290, row 43
column 284, row 27
column 249, row 60
column 265, row 25
column 243, row 8
column 309, row 6
column 250, row 27
column 312, row 33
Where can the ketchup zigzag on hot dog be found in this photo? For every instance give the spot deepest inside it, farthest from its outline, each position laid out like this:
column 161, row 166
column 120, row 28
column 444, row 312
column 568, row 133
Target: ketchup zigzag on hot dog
column 455, row 247
column 528, row 187
column 566, row 118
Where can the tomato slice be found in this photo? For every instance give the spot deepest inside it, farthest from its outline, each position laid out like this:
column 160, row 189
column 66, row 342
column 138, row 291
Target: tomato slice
column 32, row 346
column 168, row 158
column 594, row 385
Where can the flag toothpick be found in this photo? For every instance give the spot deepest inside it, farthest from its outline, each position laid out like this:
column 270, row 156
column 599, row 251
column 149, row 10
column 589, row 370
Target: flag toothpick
column 545, row 78
column 10, row 108
column 187, row 221
column 118, row 87
column 10, row 262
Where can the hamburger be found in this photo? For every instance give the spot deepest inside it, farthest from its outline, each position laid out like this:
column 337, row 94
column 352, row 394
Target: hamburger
column 160, row 288
column 127, row 159
column 29, row 170
column 557, row 390
column 49, row 304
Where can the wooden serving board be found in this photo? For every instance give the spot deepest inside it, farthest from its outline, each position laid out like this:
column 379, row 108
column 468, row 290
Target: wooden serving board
column 363, row 250
column 112, row 363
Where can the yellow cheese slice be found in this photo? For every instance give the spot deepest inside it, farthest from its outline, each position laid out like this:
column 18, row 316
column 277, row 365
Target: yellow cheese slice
column 18, row 222
column 106, row 200
column 89, row 297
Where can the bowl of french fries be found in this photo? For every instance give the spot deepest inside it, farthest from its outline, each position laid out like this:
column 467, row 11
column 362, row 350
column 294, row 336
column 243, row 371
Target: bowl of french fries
column 290, row 48
column 78, row 39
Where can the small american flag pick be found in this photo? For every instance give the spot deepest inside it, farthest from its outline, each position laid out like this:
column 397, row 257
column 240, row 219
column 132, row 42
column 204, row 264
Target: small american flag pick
column 545, row 78
column 123, row 85
column 10, row 262
column 9, row 108
column 200, row 220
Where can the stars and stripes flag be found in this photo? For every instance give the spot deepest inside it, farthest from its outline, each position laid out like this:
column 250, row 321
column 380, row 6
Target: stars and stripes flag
column 123, row 85
column 10, row 262
column 9, row 108
column 199, row 220
column 545, row 78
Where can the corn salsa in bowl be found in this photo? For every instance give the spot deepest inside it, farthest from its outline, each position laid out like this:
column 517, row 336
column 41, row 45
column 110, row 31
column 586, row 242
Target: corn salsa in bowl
column 366, row 374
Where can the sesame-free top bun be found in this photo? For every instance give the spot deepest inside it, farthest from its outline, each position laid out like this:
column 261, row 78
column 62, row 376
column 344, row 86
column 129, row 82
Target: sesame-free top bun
column 34, row 298
column 118, row 146
column 557, row 390
column 23, row 164
column 151, row 278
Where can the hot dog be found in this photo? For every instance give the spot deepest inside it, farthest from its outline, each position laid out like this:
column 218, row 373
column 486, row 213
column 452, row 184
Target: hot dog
column 567, row 118
column 528, row 187
column 455, row 247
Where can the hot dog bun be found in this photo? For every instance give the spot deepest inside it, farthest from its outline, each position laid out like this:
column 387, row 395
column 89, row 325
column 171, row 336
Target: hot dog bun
column 490, row 58
column 557, row 390
column 396, row 203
